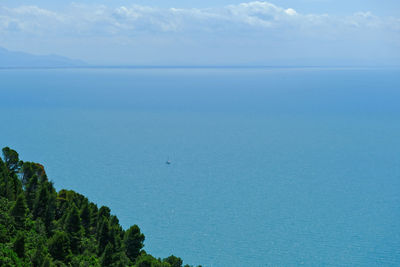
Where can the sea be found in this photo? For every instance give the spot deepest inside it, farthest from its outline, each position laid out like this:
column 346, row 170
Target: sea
column 269, row 166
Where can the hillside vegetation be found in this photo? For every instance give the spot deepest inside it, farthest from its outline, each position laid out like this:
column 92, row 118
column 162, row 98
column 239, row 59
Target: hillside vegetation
column 42, row 227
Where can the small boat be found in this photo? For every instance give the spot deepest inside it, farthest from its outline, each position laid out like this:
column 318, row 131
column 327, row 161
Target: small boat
column 168, row 162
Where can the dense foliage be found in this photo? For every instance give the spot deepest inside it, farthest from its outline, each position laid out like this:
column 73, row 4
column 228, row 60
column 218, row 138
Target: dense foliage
column 42, row 227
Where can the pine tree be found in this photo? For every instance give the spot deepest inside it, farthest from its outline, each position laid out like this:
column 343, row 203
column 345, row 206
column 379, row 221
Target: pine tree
column 59, row 246
column 39, row 206
column 19, row 245
column 11, row 159
column 19, row 211
column 133, row 242
column 85, row 217
column 45, row 205
column 174, row 261
column 73, row 226
column 107, row 257
column 10, row 186
column 103, row 235
column 31, row 191
column 93, row 218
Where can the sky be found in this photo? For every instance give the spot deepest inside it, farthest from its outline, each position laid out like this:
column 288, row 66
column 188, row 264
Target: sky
column 219, row 32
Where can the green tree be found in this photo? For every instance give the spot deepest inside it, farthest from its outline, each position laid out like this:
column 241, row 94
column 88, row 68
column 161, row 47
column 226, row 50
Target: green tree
column 39, row 256
column 19, row 245
column 11, row 158
column 10, row 185
column 85, row 216
column 19, row 211
column 107, row 256
column 102, row 214
column 146, row 260
column 104, row 236
column 41, row 201
column 93, row 217
column 4, row 235
column 47, row 262
column 45, row 204
column 133, row 242
column 31, row 188
column 174, row 261
column 30, row 169
column 59, row 246
column 73, row 227
column 8, row 258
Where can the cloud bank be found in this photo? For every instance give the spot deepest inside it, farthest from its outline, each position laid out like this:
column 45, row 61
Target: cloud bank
column 272, row 32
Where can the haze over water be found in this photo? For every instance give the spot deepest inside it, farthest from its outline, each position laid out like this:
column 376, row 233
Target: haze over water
column 270, row 167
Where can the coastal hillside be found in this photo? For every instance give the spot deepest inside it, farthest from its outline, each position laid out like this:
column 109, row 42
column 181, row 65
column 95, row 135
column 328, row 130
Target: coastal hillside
column 42, row 227
column 14, row 59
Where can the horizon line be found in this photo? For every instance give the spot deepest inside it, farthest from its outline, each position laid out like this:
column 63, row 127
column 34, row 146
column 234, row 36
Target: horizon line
column 199, row 67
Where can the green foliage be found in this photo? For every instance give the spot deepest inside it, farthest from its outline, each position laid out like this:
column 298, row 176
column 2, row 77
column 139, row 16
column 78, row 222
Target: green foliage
column 73, row 227
column 146, row 260
column 4, row 236
column 174, row 261
column 31, row 188
column 19, row 245
column 45, row 205
column 10, row 185
column 59, row 246
column 107, row 257
column 8, row 258
column 42, row 228
column 19, row 211
column 11, row 158
column 103, row 236
column 85, row 216
column 133, row 242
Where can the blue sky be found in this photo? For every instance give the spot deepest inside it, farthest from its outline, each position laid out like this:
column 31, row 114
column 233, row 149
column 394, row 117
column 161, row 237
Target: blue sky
column 219, row 32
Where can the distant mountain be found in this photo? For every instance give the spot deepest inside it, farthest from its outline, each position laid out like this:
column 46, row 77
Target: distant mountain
column 12, row 59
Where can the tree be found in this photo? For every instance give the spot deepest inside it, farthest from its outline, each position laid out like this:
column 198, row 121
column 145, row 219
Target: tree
column 73, row 227
column 174, row 261
column 45, row 204
column 19, row 245
column 11, row 158
column 10, row 185
column 107, row 257
column 4, row 235
column 146, row 260
column 8, row 258
column 40, row 204
column 73, row 221
column 104, row 212
column 59, row 245
column 93, row 217
column 133, row 242
column 30, row 169
column 30, row 190
column 103, row 236
column 85, row 217
column 47, row 262
column 19, row 211
column 39, row 254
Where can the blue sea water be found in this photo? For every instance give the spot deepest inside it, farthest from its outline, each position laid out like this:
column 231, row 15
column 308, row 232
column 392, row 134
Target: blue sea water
column 270, row 167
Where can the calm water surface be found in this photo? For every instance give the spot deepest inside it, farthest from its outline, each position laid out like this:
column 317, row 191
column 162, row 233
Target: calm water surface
column 270, row 167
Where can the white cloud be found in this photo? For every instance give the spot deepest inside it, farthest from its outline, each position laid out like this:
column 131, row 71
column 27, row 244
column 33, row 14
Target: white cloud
column 290, row 12
column 100, row 19
column 253, row 29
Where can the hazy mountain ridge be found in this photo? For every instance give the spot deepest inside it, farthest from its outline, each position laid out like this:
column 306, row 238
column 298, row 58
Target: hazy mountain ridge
column 14, row 59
